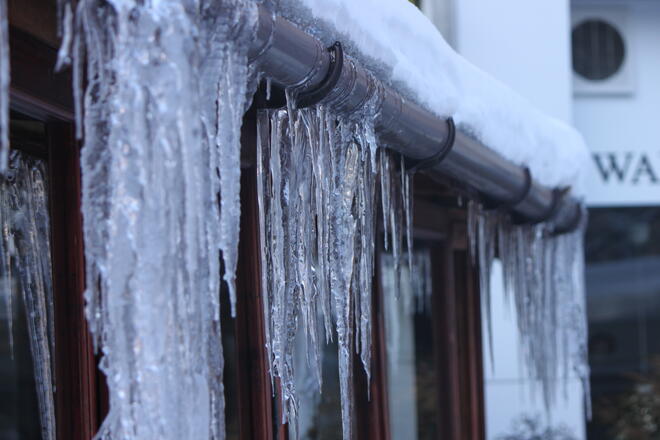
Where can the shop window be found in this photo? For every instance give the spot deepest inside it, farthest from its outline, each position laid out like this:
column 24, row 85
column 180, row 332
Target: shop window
column 623, row 306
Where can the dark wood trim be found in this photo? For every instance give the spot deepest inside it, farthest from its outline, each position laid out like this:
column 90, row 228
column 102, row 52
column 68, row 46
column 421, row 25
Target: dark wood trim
column 447, row 344
column 38, row 17
column 254, row 388
column 36, row 90
column 475, row 353
column 75, row 366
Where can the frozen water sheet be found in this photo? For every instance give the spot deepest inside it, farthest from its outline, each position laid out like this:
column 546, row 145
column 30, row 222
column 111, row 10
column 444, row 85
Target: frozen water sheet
column 403, row 48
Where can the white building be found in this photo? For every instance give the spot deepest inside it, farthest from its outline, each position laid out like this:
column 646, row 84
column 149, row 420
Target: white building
column 594, row 64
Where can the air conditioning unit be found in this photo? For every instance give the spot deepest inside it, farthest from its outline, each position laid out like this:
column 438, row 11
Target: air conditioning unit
column 603, row 52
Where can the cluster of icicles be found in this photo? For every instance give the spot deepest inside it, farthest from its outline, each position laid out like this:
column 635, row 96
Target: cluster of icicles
column 25, row 269
column 317, row 180
column 167, row 84
column 544, row 273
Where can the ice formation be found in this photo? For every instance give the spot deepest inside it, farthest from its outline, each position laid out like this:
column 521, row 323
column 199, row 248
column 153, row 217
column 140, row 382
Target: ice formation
column 317, row 180
column 25, row 268
column 544, row 274
column 4, row 85
column 415, row 284
column 167, row 86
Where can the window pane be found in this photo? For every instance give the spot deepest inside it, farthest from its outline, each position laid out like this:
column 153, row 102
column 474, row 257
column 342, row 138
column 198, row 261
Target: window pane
column 26, row 330
column 411, row 367
column 623, row 299
column 319, row 415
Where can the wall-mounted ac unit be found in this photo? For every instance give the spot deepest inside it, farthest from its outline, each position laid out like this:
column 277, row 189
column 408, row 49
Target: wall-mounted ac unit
column 603, row 53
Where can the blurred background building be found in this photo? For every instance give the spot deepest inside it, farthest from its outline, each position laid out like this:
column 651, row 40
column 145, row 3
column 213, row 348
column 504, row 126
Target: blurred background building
column 594, row 64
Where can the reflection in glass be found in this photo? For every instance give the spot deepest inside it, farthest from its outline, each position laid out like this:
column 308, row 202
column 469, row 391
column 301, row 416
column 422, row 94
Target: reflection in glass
column 26, row 409
column 623, row 298
column 319, row 414
column 411, row 367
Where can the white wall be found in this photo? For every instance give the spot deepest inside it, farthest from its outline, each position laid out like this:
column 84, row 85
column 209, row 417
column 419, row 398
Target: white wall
column 523, row 43
column 526, row 45
column 627, row 123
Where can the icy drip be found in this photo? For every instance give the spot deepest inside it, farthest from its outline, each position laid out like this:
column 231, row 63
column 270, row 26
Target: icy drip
column 25, row 267
column 161, row 114
column 544, row 274
column 4, row 85
column 317, row 181
column 482, row 230
column 415, row 282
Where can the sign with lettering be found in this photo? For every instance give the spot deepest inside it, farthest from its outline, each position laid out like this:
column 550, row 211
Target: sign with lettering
column 624, row 178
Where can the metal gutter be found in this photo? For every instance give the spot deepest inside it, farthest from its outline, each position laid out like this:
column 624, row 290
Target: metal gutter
column 292, row 58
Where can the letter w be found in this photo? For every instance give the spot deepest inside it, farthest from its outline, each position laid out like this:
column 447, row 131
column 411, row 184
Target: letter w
column 612, row 165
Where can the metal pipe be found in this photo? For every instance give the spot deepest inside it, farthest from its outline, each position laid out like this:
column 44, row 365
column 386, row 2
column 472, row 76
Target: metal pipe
column 292, row 58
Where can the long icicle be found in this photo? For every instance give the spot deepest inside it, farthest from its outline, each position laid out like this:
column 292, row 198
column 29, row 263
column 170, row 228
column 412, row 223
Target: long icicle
column 545, row 275
column 318, row 174
column 165, row 96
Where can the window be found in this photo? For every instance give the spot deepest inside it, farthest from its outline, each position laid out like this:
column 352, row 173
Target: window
column 27, row 338
column 623, row 263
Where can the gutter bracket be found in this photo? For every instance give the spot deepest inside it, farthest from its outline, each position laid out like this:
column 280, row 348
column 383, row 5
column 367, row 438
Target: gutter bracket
column 438, row 157
column 557, row 196
column 308, row 98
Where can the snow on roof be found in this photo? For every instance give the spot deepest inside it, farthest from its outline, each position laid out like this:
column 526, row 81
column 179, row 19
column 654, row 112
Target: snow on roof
column 403, row 48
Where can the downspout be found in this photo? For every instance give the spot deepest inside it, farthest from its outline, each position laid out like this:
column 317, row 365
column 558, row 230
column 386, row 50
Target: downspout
column 292, row 58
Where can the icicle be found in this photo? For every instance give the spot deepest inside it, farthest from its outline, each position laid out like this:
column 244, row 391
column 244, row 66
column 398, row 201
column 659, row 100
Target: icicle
column 472, row 220
column 406, row 193
column 25, row 266
column 166, row 91
column 7, row 249
column 263, row 132
column 4, row 85
column 385, row 194
column 544, row 275
column 317, row 175
column 482, row 231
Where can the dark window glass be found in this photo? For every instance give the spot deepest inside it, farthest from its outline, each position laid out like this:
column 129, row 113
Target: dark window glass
column 623, row 303
column 598, row 50
column 26, row 305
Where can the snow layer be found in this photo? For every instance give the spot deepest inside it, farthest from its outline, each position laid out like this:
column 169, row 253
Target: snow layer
column 398, row 43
